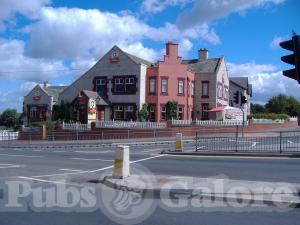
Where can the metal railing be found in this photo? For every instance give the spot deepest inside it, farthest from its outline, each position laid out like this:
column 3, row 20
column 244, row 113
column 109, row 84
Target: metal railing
column 8, row 135
column 276, row 142
column 181, row 122
column 76, row 126
column 130, row 124
column 221, row 123
column 267, row 121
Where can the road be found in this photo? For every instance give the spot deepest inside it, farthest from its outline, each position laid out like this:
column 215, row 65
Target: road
column 41, row 168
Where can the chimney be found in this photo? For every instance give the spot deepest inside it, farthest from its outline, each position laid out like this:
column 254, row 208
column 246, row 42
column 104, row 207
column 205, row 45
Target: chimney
column 202, row 54
column 172, row 50
column 46, row 84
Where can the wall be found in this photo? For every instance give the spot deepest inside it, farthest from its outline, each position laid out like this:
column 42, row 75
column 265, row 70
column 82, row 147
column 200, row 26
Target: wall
column 104, row 67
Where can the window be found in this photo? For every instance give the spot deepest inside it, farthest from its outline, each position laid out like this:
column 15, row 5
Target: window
column 180, row 87
column 33, row 113
column 118, row 112
column 220, row 90
column 129, row 110
column 163, row 112
column 192, row 88
column 152, row 112
column 101, row 85
column 119, row 85
column 226, row 93
column 124, row 85
column 164, row 86
column 152, row 86
column 205, row 89
column 129, row 85
column 180, row 112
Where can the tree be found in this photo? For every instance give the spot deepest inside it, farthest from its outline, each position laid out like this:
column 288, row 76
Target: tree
column 283, row 104
column 9, row 118
column 172, row 110
column 257, row 108
column 144, row 113
column 62, row 112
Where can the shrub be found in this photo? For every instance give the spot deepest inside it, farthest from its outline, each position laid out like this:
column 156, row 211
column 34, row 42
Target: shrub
column 272, row 116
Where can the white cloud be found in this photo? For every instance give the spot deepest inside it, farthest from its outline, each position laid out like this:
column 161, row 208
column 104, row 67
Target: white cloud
column 156, row 6
column 15, row 65
column 79, row 66
column 275, row 42
column 28, row 8
column 205, row 11
column 71, row 33
column 267, row 80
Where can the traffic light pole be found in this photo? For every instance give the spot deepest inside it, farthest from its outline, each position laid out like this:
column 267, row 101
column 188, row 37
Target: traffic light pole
column 242, row 108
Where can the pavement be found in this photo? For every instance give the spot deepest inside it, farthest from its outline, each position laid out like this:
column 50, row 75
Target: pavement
column 217, row 188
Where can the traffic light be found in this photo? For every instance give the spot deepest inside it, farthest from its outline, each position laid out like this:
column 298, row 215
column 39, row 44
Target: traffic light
column 236, row 97
column 293, row 59
column 243, row 99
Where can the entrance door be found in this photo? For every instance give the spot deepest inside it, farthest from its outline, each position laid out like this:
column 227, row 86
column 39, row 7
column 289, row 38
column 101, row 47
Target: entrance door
column 152, row 113
column 204, row 111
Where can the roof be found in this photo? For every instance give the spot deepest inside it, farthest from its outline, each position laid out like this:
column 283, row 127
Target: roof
column 210, row 65
column 138, row 60
column 217, row 109
column 100, row 99
column 241, row 81
column 54, row 91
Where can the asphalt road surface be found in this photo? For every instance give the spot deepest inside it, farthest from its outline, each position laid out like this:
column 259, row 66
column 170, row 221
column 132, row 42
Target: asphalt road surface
column 43, row 169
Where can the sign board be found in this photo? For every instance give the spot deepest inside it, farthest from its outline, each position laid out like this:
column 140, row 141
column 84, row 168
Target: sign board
column 232, row 113
column 92, row 106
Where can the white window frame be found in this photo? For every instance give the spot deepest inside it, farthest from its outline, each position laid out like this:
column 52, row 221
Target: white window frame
column 152, row 85
column 180, row 87
column 164, row 86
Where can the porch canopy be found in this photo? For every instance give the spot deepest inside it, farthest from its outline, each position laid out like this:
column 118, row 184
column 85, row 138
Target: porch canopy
column 217, row 109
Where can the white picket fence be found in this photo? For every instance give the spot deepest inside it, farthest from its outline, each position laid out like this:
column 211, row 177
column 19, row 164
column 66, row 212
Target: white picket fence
column 266, row 121
column 130, row 124
column 181, row 122
column 76, row 126
column 220, row 123
column 8, row 135
column 293, row 119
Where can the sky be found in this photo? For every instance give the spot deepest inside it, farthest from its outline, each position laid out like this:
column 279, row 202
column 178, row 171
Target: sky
column 58, row 40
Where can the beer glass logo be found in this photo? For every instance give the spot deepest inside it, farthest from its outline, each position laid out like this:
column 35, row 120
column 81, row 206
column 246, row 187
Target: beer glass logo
column 132, row 202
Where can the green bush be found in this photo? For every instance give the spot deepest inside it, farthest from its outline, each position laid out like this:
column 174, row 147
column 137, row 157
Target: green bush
column 272, row 116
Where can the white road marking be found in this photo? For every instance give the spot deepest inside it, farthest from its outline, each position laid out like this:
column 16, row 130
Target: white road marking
column 94, row 152
column 97, row 170
column 152, row 150
column 48, row 181
column 290, row 142
column 8, row 166
column 24, row 156
column 104, row 160
column 71, row 170
column 59, row 151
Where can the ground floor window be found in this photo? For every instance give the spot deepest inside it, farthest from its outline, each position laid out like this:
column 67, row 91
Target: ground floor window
column 163, row 113
column 152, row 112
column 180, row 112
column 124, row 112
column 33, row 112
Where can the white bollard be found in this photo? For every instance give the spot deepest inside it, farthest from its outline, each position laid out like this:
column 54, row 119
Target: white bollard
column 121, row 165
column 178, row 144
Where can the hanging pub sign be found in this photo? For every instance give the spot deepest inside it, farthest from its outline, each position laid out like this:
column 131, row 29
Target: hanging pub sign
column 92, row 106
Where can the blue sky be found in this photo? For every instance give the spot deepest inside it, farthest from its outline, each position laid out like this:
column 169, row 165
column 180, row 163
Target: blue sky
column 59, row 40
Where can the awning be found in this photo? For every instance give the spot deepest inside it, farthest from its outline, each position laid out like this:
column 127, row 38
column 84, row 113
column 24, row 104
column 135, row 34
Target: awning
column 217, row 109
